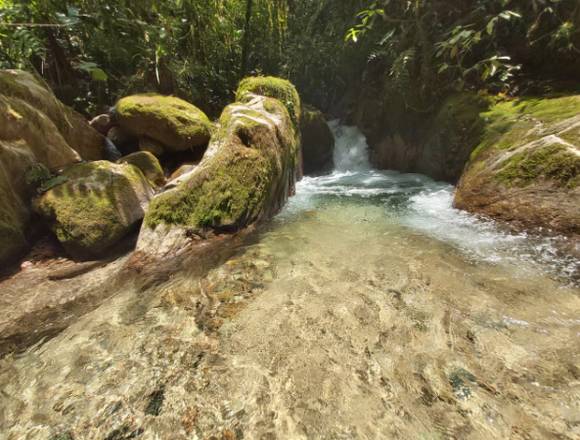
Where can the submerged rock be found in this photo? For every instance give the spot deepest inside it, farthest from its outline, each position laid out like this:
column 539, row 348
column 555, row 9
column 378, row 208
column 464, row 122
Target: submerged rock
column 527, row 167
column 175, row 123
column 148, row 164
column 245, row 176
column 35, row 128
column 317, row 141
column 96, row 206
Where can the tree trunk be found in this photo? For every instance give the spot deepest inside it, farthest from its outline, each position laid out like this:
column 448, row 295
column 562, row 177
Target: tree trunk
column 246, row 39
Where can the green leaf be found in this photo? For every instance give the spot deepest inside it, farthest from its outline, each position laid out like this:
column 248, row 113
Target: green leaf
column 98, row 74
column 491, row 26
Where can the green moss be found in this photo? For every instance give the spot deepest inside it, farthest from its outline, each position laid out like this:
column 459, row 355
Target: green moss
column 555, row 162
column 175, row 123
column 459, row 120
column 510, row 124
column 148, row 164
column 225, row 197
column 37, row 174
column 272, row 87
column 87, row 211
column 14, row 217
column 12, row 240
column 310, row 114
column 9, row 85
column 234, row 186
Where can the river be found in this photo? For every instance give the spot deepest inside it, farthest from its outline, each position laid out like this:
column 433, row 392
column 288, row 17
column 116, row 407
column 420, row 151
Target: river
column 368, row 308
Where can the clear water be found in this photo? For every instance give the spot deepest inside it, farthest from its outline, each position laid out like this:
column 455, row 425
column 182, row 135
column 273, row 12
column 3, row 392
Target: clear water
column 369, row 308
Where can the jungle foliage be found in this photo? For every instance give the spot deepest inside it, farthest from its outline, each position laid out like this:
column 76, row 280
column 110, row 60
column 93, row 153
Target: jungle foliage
column 95, row 51
column 422, row 49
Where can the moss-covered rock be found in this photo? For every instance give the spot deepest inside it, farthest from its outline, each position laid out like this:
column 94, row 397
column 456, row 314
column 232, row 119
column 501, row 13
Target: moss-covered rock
column 454, row 132
column 526, row 168
column 35, row 128
column 437, row 143
column 148, row 164
column 151, row 146
column 26, row 87
column 317, row 141
column 277, row 88
column 173, row 122
column 245, row 176
column 96, row 206
column 14, row 216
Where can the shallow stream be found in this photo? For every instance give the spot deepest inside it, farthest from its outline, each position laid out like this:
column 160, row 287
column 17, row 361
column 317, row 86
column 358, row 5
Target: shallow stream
column 369, row 308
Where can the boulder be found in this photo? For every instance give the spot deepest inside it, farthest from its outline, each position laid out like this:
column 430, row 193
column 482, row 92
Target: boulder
column 245, row 176
column 148, row 164
column 151, row 146
column 102, row 123
column 35, row 128
column 97, row 205
column 125, row 142
column 451, row 136
column 526, row 169
column 72, row 126
column 184, row 169
column 436, row 144
column 175, row 123
column 14, row 216
column 317, row 141
column 272, row 87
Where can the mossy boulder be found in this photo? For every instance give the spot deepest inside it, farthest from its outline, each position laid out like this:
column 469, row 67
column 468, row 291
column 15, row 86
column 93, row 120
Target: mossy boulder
column 317, row 141
column 246, row 176
column 14, row 215
column 148, row 164
column 526, row 168
column 35, row 128
column 455, row 130
column 97, row 205
column 272, row 87
column 76, row 131
column 437, row 143
column 173, row 122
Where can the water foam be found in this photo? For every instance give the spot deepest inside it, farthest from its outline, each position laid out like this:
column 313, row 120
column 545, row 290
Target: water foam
column 424, row 206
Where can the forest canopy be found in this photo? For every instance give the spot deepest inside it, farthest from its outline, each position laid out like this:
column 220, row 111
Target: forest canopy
column 94, row 51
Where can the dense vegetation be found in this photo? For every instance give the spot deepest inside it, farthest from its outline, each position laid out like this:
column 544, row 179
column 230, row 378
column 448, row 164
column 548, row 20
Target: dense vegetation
column 93, row 52
column 509, row 46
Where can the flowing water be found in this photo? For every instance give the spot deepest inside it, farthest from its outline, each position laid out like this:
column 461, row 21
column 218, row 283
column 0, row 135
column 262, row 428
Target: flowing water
column 367, row 309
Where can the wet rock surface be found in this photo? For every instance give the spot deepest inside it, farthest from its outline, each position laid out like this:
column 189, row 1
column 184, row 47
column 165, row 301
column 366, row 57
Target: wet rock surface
column 245, row 176
column 317, row 142
column 96, row 205
column 48, row 293
column 173, row 122
column 35, row 128
column 527, row 168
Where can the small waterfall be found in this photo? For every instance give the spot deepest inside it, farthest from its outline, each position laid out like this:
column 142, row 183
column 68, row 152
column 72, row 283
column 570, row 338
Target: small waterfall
column 351, row 148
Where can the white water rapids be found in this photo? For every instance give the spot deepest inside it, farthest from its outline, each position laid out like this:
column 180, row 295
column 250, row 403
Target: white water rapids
column 426, row 207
